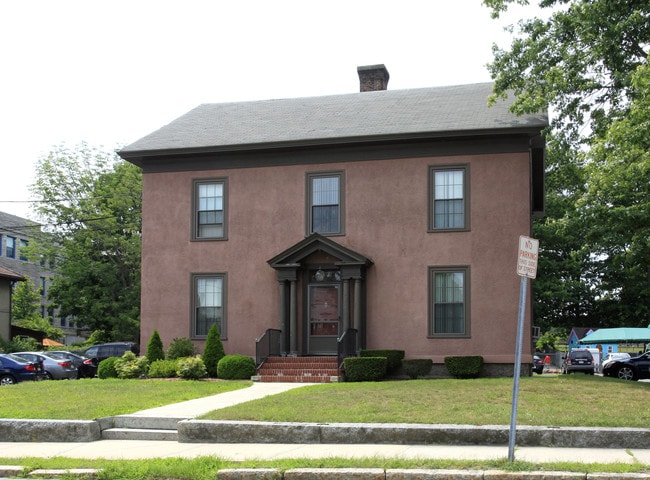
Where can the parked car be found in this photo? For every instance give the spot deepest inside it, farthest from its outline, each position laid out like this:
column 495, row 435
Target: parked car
column 611, row 357
column 634, row 368
column 579, row 360
column 86, row 367
column 105, row 350
column 54, row 366
column 14, row 369
column 538, row 364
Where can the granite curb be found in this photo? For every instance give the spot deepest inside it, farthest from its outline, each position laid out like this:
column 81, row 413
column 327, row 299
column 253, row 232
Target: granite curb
column 224, row 431
column 7, row 472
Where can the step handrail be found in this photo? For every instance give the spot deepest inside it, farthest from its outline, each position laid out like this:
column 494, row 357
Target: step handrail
column 347, row 345
column 267, row 345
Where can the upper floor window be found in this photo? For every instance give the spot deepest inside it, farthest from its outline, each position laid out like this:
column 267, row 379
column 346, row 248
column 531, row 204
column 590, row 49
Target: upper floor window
column 10, row 247
column 23, row 243
column 448, row 300
column 209, row 207
column 449, row 203
column 208, row 304
column 325, row 203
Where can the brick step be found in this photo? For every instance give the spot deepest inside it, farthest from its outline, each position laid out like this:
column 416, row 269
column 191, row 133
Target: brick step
column 301, row 366
column 299, row 370
column 305, row 372
column 295, row 379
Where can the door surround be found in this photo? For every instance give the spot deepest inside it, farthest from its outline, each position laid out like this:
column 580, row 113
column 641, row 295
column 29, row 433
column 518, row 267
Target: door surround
column 293, row 267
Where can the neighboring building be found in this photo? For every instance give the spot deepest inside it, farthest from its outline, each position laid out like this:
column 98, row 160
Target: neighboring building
column 15, row 233
column 395, row 213
column 7, row 279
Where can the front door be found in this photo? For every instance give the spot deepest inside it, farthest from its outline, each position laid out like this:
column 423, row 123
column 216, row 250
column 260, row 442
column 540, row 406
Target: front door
column 324, row 319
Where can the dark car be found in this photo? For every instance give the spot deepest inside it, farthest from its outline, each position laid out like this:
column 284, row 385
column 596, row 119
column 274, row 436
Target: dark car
column 579, row 360
column 635, row 368
column 14, row 369
column 106, row 350
column 538, row 364
column 86, row 367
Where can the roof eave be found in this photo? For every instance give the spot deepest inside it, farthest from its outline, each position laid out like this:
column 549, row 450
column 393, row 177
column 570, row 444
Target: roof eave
column 137, row 156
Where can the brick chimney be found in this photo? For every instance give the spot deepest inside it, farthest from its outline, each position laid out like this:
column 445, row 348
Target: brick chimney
column 373, row 78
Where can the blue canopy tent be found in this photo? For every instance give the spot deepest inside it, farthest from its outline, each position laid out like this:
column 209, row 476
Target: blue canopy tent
column 617, row 335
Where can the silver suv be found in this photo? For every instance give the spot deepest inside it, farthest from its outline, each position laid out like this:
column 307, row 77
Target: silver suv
column 579, row 360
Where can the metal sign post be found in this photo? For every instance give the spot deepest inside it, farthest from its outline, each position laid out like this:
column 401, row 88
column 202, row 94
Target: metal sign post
column 526, row 268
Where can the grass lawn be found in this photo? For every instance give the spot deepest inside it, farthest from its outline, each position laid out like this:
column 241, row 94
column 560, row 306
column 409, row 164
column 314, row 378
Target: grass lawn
column 93, row 398
column 544, row 400
column 559, row 400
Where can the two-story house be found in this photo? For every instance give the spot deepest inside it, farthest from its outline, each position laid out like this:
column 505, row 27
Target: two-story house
column 393, row 213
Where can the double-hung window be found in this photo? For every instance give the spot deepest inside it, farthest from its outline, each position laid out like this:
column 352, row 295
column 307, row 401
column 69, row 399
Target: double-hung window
column 10, row 247
column 209, row 207
column 448, row 300
column 325, row 203
column 208, row 304
column 448, row 193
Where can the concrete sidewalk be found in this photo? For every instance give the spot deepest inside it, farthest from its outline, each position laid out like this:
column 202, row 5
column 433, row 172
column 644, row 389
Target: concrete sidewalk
column 141, row 449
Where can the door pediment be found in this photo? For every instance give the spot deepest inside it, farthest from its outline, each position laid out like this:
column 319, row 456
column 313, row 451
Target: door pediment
column 296, row 255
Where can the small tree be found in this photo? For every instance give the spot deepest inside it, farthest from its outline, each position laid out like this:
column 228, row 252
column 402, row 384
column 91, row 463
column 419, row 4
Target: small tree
column 213, row 350
column 155, row 348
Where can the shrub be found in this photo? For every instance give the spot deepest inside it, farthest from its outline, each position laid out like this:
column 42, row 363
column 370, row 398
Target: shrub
column 236, row 367
column 155, row 348
column 213, row 350
column 464, row 367
column 365, row 369
column 181, row 347
column 130, row 366
column 191, row 368
column 393, row 357
column 106, row 368
column 163, row 369
column 417, row 367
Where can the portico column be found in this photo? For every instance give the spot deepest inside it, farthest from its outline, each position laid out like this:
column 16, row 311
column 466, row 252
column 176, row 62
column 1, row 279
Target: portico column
column 357, row 304
column 346, row 304
column 293, row 319
column 282, row 318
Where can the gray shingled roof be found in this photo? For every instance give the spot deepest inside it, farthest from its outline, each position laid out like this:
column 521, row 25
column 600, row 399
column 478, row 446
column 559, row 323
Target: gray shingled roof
column 330, row 119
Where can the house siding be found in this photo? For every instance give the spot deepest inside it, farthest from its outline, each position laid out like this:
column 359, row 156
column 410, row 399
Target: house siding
column 386, row 220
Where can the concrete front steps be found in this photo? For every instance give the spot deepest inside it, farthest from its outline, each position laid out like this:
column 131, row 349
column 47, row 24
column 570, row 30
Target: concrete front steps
column 299, row 370
column 137, row 427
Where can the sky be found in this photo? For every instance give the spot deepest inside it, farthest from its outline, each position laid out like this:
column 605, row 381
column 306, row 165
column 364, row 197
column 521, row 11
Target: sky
column 110, row 72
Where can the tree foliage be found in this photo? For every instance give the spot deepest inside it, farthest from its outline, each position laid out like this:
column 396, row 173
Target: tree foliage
column 91, row 203
column 25, row 306
column 587, row 63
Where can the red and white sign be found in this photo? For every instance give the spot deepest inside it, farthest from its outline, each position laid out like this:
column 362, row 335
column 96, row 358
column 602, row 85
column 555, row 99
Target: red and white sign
column 527, row 257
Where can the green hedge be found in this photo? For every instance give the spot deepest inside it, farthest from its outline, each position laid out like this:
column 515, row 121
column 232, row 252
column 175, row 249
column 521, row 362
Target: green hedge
column 236, row 367
column 464, row 367
column 417, row 367
column 365, row 369
column 393, row 357
column 106, row 368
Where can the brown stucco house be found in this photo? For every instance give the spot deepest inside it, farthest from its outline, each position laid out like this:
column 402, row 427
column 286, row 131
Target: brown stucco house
column 392, row 215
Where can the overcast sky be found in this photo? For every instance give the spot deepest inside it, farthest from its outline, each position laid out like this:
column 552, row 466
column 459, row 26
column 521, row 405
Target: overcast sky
column 110, row 72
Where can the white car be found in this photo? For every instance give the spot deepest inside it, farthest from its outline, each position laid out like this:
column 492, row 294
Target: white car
column 611, row 357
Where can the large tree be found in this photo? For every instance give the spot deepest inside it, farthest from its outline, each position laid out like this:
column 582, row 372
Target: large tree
column 90, row 201
column 579, row 62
